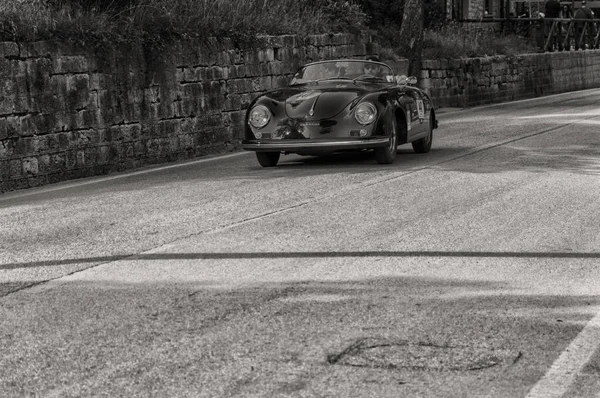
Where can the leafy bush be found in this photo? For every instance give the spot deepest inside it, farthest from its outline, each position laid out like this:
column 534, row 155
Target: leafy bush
column 93, row 21
column 434, row 14
column 154, row 22
column 454, row 40
column 383, row 13
column 343, row 15
column 442, row 38
column 384, row 19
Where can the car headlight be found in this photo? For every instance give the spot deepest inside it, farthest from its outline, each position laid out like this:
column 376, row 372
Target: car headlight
column 259, row 116
column 365, row 113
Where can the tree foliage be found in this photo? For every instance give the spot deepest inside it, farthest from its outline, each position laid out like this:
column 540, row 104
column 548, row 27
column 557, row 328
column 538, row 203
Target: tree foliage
column 396, row 24
column 387, row 14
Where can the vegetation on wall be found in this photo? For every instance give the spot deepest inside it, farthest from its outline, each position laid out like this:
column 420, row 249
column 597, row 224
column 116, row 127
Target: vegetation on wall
column 154, row 22
column 94, row 21
column 454, row 40
column 385, row 18
column 442, row 38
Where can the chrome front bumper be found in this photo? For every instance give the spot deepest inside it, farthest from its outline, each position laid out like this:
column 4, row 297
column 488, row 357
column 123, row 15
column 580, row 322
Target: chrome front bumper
column 296, row 145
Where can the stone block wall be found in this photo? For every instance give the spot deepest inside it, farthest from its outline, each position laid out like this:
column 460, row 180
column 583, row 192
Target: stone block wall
column 476, row 81
column 68, row 112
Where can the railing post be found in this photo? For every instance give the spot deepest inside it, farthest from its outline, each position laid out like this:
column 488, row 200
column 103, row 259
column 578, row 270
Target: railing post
column 539, row 33
column 553, row 35
column 569, row 34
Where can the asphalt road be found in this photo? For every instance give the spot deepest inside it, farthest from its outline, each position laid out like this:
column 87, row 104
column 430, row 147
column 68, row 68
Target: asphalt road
column 471, row 271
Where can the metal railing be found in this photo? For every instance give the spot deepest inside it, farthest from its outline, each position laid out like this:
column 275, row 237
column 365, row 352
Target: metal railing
column 570, row 34
column 550, row 34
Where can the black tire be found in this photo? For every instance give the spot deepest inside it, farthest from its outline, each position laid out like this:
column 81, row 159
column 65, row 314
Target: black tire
column 387, row 155
column 268, row 159
column 424, row 144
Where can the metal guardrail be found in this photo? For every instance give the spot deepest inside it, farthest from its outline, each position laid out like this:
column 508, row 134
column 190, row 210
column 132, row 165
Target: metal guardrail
column 551, row 34
column 570, row 34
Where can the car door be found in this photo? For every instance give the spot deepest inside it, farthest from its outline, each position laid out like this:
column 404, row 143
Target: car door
column 415, row 115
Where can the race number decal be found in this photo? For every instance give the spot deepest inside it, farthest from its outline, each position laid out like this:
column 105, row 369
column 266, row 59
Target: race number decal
column 421, row 109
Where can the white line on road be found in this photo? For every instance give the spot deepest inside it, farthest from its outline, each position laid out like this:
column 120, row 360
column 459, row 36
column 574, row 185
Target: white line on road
column 451, row 110
column 564, row 370
column 540, row 99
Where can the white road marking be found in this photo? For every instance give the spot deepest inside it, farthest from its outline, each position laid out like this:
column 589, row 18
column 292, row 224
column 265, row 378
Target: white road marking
column 561, row 115
column 95, row 180
column 562, row 373
column 501, row 104
column 453, row 110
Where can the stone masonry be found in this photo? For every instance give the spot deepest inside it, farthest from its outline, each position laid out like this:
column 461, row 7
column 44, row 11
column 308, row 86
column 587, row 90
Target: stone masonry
column 476, row 81
column 68, row 112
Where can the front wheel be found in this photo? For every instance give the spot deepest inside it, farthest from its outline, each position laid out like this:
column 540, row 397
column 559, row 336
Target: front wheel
column 424, row 144
column 387, row 155
column 268, row 159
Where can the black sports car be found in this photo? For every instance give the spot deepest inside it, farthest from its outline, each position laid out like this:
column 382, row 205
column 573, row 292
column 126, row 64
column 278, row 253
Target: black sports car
column 340, row 105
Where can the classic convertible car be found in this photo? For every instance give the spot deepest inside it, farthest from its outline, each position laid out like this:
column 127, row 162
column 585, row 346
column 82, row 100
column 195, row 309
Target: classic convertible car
column 340, row 105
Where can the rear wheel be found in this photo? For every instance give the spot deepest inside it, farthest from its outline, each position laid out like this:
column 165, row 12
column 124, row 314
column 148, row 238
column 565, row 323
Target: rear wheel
column 268, row 159
column 387, row 154
column 424, row 144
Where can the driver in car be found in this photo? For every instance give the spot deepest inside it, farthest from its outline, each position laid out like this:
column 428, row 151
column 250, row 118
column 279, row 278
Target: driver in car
column 371, row 70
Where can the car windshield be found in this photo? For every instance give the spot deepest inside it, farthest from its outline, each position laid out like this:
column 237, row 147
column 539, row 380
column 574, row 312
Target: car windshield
column 347, row 69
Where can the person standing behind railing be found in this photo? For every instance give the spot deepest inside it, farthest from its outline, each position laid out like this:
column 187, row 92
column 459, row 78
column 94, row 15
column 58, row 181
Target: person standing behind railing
column 566, row 13
column 584, row 13
column 551, row 12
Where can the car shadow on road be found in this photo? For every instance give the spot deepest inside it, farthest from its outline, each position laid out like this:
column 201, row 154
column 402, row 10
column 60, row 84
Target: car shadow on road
column 578, row 159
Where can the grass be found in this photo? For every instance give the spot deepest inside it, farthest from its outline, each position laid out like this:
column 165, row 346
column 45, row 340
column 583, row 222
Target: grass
column 93, row 21
column 155, row 22
column 454, row 41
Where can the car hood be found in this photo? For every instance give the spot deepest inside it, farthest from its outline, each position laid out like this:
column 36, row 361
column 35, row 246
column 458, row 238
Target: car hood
column 320, row 102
